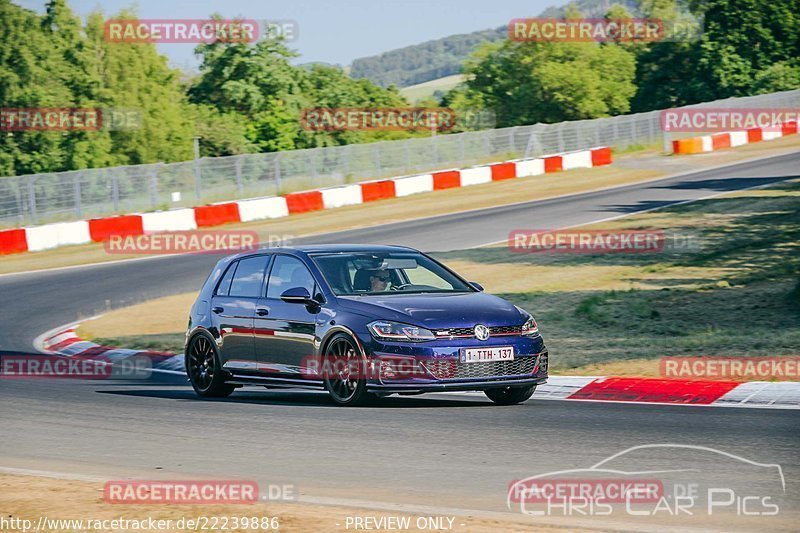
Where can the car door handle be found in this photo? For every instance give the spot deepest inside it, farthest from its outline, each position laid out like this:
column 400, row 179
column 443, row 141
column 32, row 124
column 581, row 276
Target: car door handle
column 262, row 312
column 217, row 310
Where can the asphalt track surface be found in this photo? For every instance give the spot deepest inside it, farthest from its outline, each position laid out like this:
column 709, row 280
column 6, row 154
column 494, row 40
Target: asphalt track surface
column 438, row 450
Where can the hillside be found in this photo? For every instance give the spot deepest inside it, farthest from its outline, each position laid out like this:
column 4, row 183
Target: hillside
column 431, row 60
column 436, row 88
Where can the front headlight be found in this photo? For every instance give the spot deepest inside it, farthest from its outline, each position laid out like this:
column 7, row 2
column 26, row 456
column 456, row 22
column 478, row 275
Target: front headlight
column 395, row 331
column 530, row 328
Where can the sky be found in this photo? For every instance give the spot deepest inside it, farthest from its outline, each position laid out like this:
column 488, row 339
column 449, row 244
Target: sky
column 331, row 31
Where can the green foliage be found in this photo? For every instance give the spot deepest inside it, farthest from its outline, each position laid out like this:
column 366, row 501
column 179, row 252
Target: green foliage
column 248, row 97
column 258, row 83
column 53, row 60
column 748, row 47
column 526, row 83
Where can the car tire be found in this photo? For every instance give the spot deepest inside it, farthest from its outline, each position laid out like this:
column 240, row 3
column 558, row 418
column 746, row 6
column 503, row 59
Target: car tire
column 204, row 370
column 345, row 390
column 510, row 395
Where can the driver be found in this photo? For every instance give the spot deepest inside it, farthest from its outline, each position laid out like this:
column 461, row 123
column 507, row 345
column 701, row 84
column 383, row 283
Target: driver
column 379, row 280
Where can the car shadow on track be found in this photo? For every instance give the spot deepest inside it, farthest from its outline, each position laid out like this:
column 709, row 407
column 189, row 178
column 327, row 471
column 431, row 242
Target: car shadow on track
column 301, row 398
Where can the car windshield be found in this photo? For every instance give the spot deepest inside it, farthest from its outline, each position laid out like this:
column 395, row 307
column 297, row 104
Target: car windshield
column 359, row 273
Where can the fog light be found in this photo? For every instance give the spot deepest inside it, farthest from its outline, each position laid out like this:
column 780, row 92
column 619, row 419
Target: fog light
column 387, row 370
column 398, row 368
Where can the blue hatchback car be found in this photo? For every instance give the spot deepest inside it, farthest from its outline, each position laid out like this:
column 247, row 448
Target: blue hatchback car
column 361, row 322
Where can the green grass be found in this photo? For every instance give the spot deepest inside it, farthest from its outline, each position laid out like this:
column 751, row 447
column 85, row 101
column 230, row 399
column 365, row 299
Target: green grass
column 167, row 342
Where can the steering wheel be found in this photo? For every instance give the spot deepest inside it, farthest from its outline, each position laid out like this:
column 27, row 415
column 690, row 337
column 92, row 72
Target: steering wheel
column 400, row 287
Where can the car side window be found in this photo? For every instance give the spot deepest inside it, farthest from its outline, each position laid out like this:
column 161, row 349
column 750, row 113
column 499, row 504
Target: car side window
column 289, row 272
column 224, row 286
column 249, row 276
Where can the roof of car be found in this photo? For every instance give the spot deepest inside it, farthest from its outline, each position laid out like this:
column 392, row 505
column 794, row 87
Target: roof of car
column 327, row 248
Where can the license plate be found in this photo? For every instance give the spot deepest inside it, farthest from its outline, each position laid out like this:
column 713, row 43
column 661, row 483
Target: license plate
column 482, row 355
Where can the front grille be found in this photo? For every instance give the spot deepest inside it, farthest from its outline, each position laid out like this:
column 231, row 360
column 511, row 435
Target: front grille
column 454, row 369
column 470, row 332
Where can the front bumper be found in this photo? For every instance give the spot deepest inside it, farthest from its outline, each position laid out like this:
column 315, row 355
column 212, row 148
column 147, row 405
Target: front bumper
column 438, row 367
column 454, row 386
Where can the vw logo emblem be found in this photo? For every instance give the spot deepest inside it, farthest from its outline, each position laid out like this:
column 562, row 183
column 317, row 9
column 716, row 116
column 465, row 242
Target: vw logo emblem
column 481, row 332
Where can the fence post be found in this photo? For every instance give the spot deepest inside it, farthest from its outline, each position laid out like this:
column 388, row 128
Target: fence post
column 376, row 160
column 114, row 191
column 20, row 206
column 32, row 198
column 561, row 147
column 312, row 163
column 346, row 162
column 277, row 164
column 239, row 186
column 531, row 143
column 77, row 191
column 153, row 184
column 198, row 178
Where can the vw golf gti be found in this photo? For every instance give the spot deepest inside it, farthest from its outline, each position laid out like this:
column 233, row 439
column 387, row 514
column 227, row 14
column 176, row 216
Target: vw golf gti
column 360, row 322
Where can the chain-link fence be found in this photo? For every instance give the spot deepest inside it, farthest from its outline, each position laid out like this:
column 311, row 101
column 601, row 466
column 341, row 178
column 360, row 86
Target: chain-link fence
column 63, row 196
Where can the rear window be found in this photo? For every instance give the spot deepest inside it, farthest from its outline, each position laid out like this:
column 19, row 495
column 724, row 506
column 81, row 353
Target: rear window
column 224, row 285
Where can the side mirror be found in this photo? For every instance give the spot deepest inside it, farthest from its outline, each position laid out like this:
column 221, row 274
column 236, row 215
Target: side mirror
column 298, row 295
column 476, row 285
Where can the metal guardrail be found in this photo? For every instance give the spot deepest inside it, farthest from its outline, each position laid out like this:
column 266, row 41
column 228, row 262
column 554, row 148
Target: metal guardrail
column 74, row 195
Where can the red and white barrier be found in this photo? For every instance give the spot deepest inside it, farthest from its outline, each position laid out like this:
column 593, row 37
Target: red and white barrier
column 69, row 233
column 732, row 139
column 55, row 235
column 409, row 185
column 577, row 160
column 476, row 176
column 173, row 220
column 261, row 208
column 529, row 167
column 342, row 196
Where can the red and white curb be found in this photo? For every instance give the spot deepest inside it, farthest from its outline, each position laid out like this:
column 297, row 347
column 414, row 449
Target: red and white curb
column 771, row 394
column 760, row 394
column 65, row 341
column 48, row 236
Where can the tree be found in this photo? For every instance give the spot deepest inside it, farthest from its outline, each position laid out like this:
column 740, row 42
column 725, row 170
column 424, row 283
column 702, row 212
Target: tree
column 526, row 83
column 735, row 56
column 136, row 77
column 258, row 82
